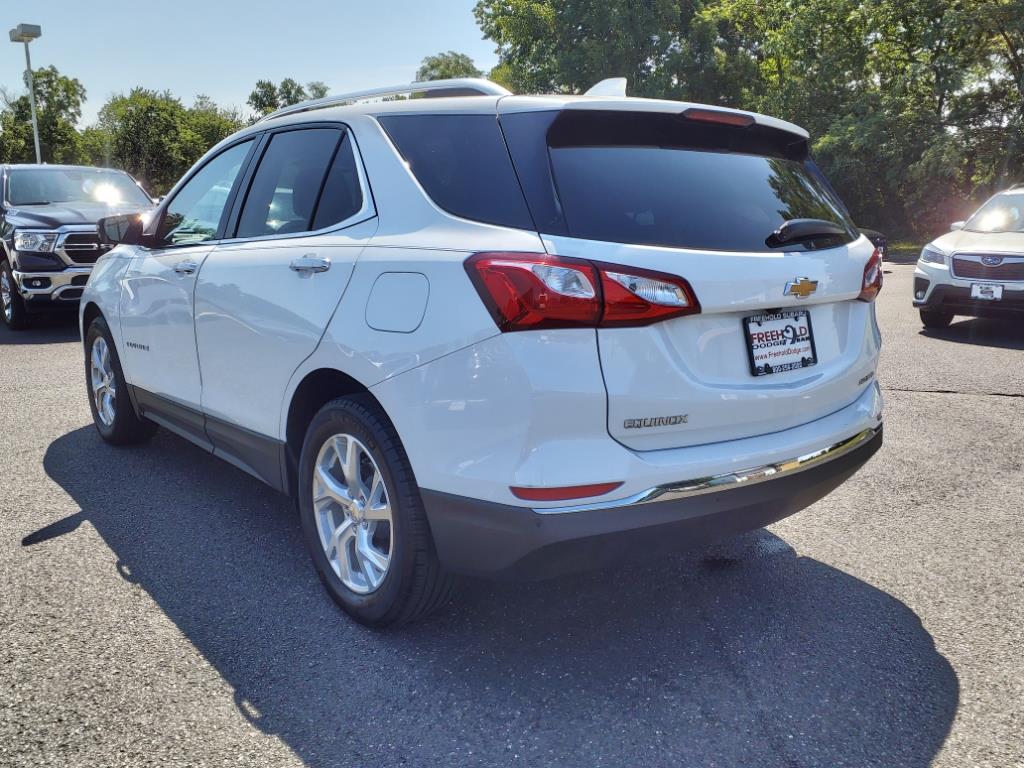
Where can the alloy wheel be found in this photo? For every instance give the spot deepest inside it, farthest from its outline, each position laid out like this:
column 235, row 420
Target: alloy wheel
column 101, row 377
column 352, row 506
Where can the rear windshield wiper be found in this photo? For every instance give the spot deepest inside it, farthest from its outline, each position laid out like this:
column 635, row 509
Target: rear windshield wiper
column 801, row 230
column 34, row 202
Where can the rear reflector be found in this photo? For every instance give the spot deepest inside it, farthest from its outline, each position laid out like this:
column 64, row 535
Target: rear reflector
column 872, row 282
column 532, row 291
column 563, row 493
column 717, row 116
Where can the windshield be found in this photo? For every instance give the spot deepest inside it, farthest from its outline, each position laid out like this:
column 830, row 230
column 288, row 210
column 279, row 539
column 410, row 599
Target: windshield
column 1003, row 213
column 41, row 186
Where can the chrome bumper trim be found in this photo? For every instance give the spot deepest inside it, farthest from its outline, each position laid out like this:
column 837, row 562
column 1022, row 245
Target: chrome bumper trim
column 702, row 485
column 59, row 281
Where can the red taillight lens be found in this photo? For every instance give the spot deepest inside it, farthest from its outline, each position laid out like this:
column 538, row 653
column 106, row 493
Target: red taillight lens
column 526, row 291
column 872, row 282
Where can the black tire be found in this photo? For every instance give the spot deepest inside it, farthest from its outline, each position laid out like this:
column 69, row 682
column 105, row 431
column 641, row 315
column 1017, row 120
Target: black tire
column 933, row 318
column 414, row 584
column 127, row 428
column 13, row 312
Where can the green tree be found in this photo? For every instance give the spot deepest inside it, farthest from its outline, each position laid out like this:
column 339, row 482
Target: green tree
column 212, row 123
column 444, row 66
column 267, row 97
column 915, row 107
column 58, row 108
column 151, row 135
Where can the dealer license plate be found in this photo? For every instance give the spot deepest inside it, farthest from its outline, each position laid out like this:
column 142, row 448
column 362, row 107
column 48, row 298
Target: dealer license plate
column 780, row 341
column 986, row 291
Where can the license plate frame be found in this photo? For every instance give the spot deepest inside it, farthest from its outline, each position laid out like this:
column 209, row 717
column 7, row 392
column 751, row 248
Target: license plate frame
column 994, row 291
column 774, row 320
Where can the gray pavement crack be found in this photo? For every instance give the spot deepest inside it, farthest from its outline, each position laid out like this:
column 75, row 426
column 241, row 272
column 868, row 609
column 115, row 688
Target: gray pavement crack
column 952, row 392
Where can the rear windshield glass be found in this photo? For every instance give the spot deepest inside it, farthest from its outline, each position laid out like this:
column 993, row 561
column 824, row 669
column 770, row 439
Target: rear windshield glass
column 685, row 198
column 462, row 163
column 659, row 179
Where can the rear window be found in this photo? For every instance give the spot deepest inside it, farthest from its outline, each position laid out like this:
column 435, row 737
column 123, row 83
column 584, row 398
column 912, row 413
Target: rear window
column 462, row 164
column 656, row 180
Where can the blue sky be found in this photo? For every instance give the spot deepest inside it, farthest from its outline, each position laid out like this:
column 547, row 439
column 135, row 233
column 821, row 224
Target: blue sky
column 221, row 47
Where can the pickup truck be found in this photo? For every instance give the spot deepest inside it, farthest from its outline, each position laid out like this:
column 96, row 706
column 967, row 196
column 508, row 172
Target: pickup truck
column 48, row 216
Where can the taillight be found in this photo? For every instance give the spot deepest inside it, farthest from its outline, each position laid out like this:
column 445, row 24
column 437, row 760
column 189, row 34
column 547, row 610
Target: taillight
column 872, row 282
column 527, row 291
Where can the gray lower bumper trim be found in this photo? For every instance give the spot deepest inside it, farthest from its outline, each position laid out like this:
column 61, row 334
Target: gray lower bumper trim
column 702, row 485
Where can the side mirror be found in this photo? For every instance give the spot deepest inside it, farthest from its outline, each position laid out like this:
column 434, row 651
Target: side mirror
column 125, row 228
column 957, row 225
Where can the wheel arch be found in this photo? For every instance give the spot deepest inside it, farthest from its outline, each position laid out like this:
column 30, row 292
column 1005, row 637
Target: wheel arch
column 90, row 312
column 314, row 391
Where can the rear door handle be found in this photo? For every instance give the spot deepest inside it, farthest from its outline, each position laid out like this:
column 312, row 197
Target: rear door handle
column 310, row 263
column 186, row 267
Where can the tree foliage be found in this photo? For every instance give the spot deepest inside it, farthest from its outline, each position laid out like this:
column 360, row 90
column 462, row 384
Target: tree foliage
column 444, row 66
column 914, row 106
column 59, row 102
column 267, row 97
column 154, row 137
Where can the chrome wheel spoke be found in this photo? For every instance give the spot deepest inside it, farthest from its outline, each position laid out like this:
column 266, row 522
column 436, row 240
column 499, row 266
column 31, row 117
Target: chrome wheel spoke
column 326, row 486
column 377, row 506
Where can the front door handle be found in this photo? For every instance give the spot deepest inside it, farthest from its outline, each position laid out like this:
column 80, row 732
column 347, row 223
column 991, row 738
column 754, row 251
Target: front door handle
column 310, row 263
column 186, row 267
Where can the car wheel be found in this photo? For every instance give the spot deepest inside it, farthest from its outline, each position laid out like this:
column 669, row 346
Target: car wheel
column 12, row 306
column 112, row 410
column 932, row 318
column 363, row 517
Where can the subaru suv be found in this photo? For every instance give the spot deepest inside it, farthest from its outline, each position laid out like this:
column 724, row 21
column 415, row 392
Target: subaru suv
column 976, row 269
column 498, row 335
column 48, row 221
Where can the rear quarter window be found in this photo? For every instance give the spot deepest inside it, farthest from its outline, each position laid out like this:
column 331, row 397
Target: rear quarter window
column 463, row 165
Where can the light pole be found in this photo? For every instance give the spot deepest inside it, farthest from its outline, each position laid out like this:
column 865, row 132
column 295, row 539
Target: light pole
column 26, row 33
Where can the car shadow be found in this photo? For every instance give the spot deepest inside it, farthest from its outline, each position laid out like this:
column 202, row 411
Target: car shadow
column 988, row 332
column 45, row 329
column 753, row 657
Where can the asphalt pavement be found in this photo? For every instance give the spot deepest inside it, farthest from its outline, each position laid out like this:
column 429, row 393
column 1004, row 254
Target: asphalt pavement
column 157, row 607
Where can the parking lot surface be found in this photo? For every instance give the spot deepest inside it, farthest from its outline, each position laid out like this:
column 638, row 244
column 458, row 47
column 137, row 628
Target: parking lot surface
column 157, row 607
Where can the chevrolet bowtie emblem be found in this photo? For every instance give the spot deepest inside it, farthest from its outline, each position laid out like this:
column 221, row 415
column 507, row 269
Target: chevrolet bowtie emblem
column 802, row 287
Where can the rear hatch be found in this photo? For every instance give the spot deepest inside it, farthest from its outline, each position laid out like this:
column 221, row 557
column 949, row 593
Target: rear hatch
column 781, row 338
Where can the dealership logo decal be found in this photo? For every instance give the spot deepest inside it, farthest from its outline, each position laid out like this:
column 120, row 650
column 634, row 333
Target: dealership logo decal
column 656, row 421
column 802, row 287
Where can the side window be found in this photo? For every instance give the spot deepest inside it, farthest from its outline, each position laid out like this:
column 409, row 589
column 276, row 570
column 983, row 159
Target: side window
column 284, row 191
column 342, row 197
column 462, row 163
column 195, row 212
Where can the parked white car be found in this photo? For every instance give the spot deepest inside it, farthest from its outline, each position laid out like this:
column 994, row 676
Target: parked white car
column 498, row 335
column 977, row 269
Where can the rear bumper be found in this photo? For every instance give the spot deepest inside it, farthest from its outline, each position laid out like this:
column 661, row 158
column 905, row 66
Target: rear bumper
column 504, row 541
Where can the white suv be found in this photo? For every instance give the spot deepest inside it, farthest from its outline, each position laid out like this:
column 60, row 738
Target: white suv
column 498, row 335
column 977, row 269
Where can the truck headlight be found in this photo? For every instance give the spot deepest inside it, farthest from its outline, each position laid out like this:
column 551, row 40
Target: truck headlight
column 35, row 242
column 932, row 255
